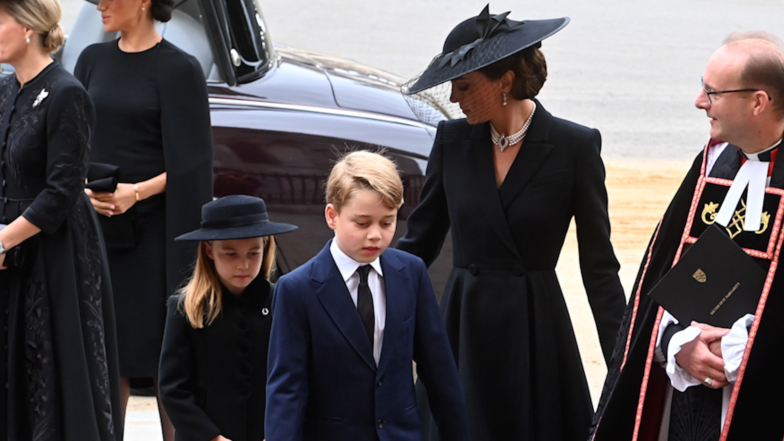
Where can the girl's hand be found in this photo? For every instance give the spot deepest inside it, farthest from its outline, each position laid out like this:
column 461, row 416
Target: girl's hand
column 220, row 438
column 109, row 204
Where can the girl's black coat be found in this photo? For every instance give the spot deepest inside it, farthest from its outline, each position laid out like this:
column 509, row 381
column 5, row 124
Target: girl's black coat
column 213, row 380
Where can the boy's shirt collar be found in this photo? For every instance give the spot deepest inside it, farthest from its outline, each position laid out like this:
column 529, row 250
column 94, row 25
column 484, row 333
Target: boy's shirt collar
column 348, row 266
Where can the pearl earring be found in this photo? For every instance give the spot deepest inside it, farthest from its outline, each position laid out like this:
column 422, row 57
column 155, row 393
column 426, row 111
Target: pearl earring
column 28, row 40
column 504, row 98
column 143, row 9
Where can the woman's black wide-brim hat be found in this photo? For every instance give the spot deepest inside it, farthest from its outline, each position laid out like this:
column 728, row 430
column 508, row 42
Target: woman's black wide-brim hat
column 235, row 217
column 481, row 41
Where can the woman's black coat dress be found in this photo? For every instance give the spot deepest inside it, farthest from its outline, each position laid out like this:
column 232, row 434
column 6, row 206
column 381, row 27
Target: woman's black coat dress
column 213, row 381
column 59, row 365
column 504, row 310
column 153, row 117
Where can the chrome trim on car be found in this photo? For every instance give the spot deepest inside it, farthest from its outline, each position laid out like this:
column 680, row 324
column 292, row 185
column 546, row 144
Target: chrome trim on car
column 317, row 109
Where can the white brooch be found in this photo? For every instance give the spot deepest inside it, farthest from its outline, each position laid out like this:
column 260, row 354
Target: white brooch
column 265, row 311
column 40, row 98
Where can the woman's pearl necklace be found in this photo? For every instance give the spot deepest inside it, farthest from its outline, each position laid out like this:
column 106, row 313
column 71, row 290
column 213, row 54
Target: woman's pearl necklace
column 503, row 141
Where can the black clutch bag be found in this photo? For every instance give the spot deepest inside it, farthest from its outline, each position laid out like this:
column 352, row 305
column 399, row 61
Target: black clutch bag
column 102, row 177
column 119, row 231
column 714, row 282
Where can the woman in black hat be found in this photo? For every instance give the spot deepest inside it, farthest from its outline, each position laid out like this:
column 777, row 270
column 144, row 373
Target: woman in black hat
column 213, row 368
column 508, row 179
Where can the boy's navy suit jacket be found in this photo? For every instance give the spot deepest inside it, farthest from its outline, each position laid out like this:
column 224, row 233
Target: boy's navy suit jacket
column 323, row 382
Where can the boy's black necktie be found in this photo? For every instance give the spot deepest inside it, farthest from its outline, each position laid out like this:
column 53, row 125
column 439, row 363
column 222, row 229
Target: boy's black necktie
column 365, row 303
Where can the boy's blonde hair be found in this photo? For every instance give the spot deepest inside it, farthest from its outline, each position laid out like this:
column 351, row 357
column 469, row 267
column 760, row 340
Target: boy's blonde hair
column 202, row 298
column 363, row 170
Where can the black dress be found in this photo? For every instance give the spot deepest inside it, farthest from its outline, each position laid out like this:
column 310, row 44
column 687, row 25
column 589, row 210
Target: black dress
column 153, row 117
column 503, row 307
column 59, row 365
column 213, row 380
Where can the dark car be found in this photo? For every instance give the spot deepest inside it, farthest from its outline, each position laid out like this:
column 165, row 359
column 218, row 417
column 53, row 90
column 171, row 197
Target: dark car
column 280, row 115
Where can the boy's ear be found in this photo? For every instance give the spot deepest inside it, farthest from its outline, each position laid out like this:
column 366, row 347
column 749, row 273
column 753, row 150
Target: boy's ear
column 208, row 250
column 331, row 214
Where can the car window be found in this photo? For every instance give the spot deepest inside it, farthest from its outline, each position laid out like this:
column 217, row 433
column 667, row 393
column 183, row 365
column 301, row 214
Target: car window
column 249, row 37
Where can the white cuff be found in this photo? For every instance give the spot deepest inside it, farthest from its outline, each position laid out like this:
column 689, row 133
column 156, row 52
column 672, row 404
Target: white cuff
column 733, row 345
column 679, row 378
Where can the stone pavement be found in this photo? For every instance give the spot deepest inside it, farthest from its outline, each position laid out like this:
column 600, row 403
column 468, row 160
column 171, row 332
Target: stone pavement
column 141, row 422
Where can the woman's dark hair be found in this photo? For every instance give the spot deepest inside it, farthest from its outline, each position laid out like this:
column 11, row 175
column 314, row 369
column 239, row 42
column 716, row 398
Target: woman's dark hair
column 529, row 68
column 161, row 10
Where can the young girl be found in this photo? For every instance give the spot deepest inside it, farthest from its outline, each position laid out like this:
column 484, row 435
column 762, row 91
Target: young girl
column 213, row 367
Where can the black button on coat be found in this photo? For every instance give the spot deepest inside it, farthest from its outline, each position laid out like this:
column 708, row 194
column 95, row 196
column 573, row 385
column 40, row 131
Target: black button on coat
column 213, row 380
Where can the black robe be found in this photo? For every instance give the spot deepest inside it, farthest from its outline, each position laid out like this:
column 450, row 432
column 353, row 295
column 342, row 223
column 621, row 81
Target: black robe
column 503, row 307
column 632, row 376
column 59, row 366
column 213, row 380
column 153, row 117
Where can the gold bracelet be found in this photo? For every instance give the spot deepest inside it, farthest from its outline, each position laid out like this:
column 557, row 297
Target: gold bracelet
column 136, row 189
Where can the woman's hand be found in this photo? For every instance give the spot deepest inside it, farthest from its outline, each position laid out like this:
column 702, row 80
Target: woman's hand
column 109, row 204
column 15, row 233
column 97, row 198
column 220, row 438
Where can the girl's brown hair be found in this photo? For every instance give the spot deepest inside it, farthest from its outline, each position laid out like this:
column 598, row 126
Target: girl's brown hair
column 202, row 298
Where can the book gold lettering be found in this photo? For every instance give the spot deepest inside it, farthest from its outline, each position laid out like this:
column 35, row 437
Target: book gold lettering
column 724, row 299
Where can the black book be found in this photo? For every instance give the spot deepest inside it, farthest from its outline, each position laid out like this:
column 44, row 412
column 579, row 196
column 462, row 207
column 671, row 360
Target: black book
column 714, row 282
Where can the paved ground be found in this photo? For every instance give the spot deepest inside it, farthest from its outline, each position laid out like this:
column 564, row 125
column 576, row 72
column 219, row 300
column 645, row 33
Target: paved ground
column 629, row 68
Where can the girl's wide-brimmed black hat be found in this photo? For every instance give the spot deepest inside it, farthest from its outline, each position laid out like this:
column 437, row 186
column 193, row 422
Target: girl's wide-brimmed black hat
column 235, row 217
column 481, row 41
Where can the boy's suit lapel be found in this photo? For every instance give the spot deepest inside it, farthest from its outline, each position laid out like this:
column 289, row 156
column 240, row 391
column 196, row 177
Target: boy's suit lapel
column 394, row 286
column 334, row 296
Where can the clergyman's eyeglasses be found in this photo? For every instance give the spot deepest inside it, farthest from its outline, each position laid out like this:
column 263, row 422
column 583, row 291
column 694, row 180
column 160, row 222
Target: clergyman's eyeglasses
column 719, row 92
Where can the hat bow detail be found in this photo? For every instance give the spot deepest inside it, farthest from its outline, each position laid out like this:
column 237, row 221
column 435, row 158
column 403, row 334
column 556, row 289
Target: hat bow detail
column 487, row 26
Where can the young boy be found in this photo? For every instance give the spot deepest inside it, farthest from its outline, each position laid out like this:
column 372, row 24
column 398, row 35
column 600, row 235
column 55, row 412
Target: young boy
column 347, row 324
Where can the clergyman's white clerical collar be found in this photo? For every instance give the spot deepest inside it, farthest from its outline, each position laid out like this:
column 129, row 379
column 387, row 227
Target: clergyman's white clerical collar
column 763, row 156
column 754, row 175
